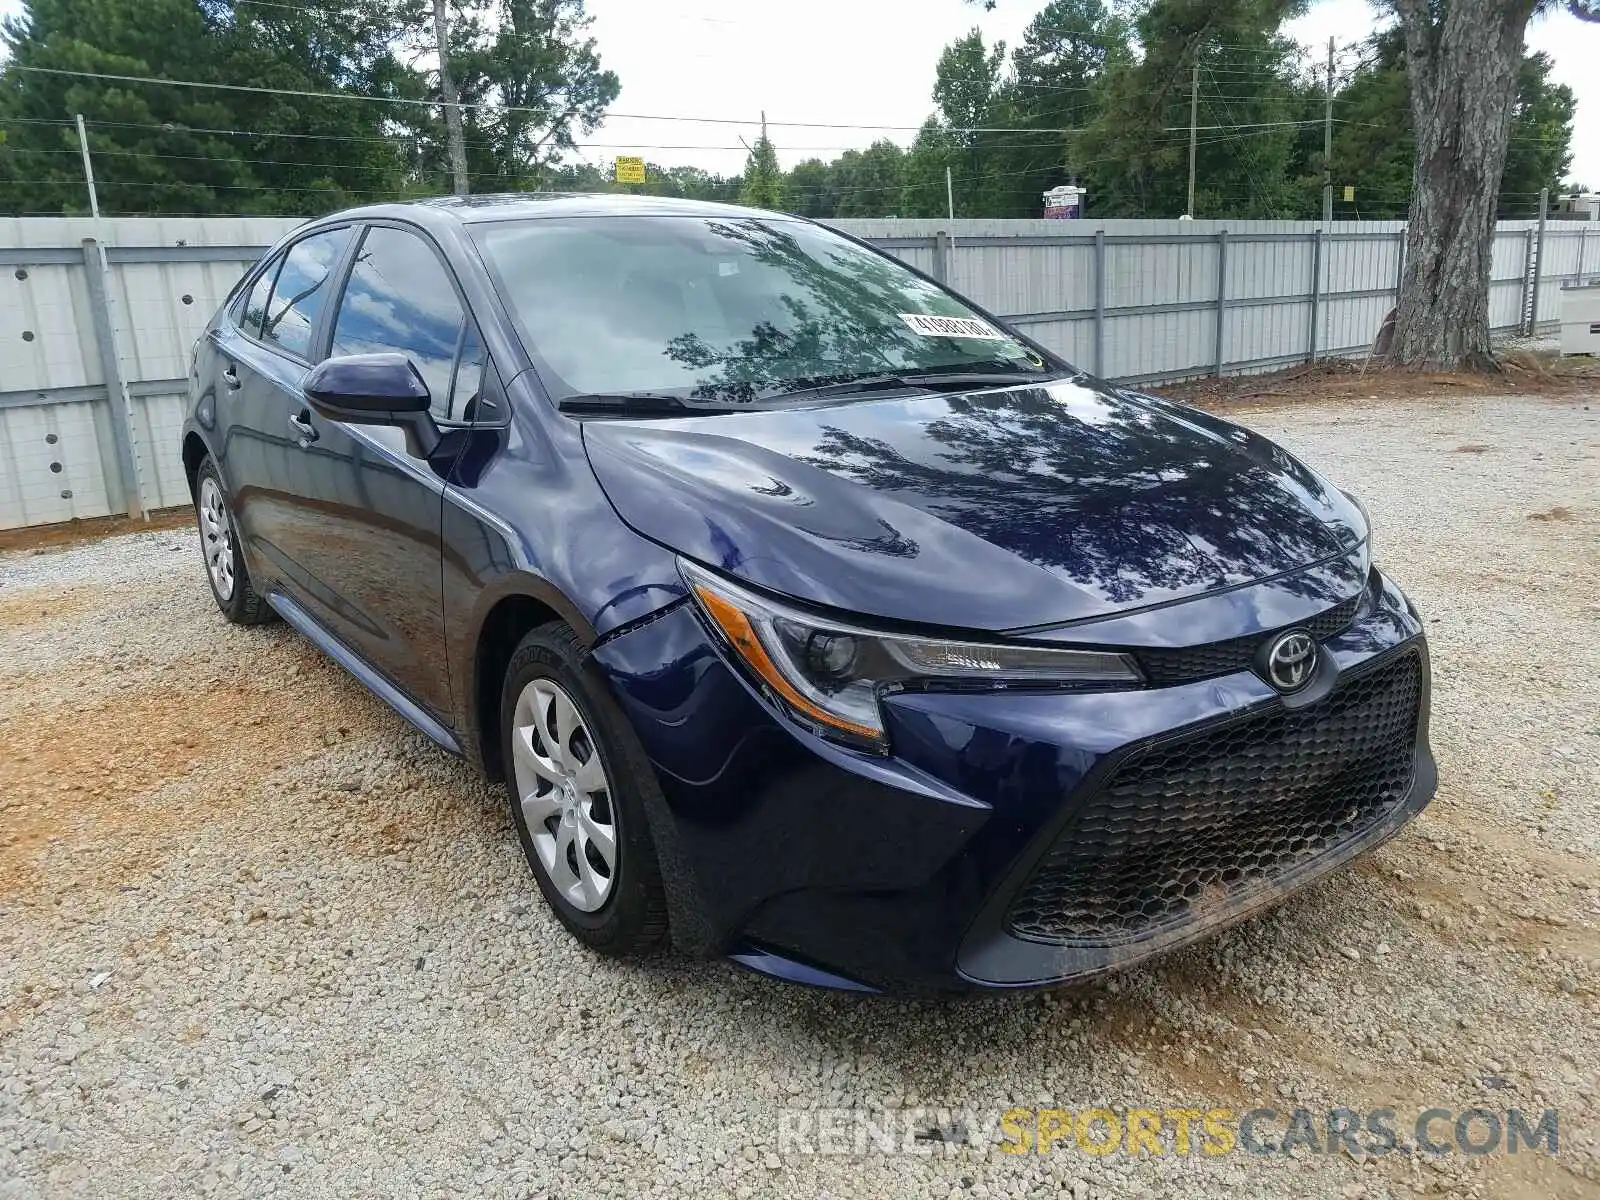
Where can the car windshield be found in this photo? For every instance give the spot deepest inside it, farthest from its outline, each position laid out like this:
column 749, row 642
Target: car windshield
column 727, row 310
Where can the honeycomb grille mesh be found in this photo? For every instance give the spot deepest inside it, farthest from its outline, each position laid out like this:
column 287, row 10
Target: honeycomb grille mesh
column 1187, row 828
column 1165, row 667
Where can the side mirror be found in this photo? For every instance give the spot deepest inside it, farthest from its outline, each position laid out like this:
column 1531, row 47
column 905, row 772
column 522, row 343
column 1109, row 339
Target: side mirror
column 375, row 389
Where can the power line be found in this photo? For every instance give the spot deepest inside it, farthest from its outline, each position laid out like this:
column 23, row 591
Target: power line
column 301, row 93
column 403, row 138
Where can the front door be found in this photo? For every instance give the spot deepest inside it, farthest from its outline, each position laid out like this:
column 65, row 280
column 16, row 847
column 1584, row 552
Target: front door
column 264, row 351
column 362, row 521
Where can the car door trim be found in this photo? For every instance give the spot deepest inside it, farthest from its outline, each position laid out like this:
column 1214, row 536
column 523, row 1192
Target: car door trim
column 307, row 626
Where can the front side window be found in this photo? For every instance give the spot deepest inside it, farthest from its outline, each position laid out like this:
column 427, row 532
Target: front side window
column 727, row 309
column 400, row 297
column 301, row 290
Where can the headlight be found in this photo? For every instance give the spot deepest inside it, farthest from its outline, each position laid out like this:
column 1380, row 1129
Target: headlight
column 1366, row 517
column 828, row 675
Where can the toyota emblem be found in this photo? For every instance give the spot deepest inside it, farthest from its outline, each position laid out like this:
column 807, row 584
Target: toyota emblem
column 1291, row 660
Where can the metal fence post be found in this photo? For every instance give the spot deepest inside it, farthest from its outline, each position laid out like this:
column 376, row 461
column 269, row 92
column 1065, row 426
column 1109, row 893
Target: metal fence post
column 1538, row 263
column 1100, row 302
column 1583, row 239
column 1222, row 293
column 1400, row 269
column 941, row 257
column 1316, row 292
column 95, row 271
column 1527, row 275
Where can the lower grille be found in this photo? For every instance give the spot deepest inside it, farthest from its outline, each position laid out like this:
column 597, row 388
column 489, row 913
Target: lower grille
column 1189, row 663
column 1185, row 828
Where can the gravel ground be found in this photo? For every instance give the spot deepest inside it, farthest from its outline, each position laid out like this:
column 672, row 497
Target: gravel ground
column 259, row 938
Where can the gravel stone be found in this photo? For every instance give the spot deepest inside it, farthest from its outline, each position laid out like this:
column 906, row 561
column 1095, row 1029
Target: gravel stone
column 224, row 970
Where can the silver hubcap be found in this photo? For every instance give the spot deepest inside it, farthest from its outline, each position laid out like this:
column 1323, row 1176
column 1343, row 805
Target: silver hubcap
column 565, row 795
column 216, row 537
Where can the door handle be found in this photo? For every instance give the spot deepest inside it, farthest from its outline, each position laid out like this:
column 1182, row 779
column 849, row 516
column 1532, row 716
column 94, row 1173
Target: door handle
column 231, row 378
column 300, row 422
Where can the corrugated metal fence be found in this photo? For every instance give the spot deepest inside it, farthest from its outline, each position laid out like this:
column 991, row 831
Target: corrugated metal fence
column 97, row 318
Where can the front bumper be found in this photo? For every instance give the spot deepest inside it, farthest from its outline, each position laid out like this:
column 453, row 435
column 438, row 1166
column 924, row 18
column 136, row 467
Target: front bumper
column 815, row 862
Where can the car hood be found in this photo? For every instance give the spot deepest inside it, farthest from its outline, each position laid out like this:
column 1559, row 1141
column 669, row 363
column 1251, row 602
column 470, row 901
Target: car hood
column 995, row 510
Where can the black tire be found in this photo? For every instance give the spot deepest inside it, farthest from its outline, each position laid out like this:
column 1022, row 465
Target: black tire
column 632, row 921
column 243, row 605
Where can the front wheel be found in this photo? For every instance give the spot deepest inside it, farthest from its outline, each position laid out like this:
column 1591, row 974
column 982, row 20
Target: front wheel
column 219, row 545
column 578, row 778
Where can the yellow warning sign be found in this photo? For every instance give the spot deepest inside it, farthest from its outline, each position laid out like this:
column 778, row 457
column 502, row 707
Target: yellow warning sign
column 630, row 170
column 1349, row 192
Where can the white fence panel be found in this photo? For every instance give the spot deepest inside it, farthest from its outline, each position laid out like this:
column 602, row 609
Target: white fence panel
column 1132, row 300
column 51, row 467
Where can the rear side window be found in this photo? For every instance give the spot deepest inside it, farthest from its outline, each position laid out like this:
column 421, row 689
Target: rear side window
column 254, row 309
column 400, row 297
column 301, row 289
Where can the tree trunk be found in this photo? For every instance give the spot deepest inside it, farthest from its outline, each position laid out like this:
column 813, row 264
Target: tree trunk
column 1462, row 67
column 452, row 102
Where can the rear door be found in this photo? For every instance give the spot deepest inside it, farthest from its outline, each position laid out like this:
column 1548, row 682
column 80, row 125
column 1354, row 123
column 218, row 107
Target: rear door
column 360, row 514
column 262, row 354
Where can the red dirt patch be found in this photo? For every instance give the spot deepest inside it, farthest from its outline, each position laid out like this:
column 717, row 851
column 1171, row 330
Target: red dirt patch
column 1524, row 374
column 77, row 771
column 68, row 533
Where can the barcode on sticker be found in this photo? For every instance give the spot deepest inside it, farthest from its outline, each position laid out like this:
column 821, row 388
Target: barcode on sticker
column 961, row 327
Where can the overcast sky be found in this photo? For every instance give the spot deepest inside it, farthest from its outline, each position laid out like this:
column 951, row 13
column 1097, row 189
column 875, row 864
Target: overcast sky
column 870, row 63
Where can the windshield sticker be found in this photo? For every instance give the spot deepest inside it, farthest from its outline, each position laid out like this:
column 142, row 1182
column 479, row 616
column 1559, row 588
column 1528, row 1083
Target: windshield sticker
column 929, row 325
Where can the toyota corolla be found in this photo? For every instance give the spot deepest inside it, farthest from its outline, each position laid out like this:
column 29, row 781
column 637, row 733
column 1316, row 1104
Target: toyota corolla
column 811, row 615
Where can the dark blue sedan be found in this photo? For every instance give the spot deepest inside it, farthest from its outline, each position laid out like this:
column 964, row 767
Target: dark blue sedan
column 812, row 616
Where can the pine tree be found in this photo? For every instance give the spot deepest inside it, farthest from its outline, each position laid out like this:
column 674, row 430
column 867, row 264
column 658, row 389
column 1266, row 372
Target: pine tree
column 764, row 185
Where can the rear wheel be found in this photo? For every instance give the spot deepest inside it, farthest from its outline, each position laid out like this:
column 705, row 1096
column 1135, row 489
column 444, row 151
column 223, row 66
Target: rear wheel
column 577, row 779
column 219, row 546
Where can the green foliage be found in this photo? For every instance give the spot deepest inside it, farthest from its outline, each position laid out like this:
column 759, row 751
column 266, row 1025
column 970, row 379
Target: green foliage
column 161, row 149
column 1117, row 78
column 966, row 93
column 764, row 185
column 813, row 191
column 534, row 64
column 1373, row 146
column 1137, row 144
column 1057, row 82
column 922, row 192
column 1541, row 136
column 1097, row 92
column 869, row 181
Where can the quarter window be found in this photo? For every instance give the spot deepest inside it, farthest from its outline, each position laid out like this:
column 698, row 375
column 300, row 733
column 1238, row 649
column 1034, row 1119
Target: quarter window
column 301, row 290
column 400, row 297
column 465, row 392
column 255, row 304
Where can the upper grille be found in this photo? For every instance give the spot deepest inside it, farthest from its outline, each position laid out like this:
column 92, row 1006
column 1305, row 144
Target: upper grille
column 1187, row 827
column 1190, row 663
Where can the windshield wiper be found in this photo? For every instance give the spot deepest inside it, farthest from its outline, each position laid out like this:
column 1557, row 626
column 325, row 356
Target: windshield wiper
column 665, row 404
column 933, row 380
column 638, row 404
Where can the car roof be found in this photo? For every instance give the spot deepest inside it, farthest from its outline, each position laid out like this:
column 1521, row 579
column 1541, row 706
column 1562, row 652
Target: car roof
column 506, row 206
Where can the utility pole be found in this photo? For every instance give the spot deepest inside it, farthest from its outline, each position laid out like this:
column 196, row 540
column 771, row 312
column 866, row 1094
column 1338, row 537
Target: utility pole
column 1194, row 116
column 1327, row 144
column 88, row 169
column 454, row 140
column 950, row 201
